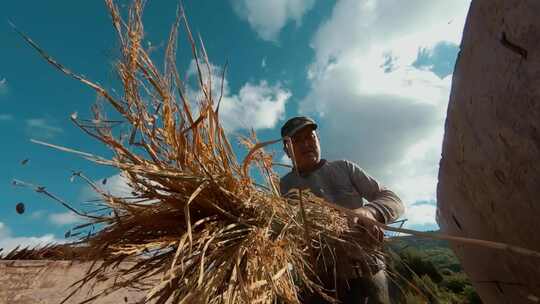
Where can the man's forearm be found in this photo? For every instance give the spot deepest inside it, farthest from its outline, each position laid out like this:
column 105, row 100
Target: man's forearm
column 388, row 204
column 378, row 215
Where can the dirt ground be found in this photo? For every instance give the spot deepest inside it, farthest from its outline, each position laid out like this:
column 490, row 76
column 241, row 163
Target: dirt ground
column 42, row 281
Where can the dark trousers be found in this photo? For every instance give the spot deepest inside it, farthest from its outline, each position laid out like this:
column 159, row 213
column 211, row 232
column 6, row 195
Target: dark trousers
column 369, row 290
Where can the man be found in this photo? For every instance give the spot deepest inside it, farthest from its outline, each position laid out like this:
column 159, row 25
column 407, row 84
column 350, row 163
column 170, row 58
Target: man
column 345, row 184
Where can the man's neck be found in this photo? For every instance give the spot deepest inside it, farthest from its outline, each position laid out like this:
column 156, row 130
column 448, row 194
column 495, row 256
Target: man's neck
column 309, row 170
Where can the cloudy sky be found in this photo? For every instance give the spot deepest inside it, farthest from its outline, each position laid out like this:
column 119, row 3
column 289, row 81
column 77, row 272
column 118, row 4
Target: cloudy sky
column 375, row 74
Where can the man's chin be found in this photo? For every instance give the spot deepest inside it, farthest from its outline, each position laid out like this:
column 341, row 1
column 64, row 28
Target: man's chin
column 313, row 159
column 311, row 155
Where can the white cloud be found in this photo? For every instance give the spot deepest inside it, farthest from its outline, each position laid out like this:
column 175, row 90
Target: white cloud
column 4, row 231
column 65, row 218
column 374, row 107
column 6, row 117
column 42, row 128
column 267, row 18
column 9, row 242
column 3, row 86
column 373, row 23
column 37, row 214
column 419, row 215
column 255, row 106
column 116, row 185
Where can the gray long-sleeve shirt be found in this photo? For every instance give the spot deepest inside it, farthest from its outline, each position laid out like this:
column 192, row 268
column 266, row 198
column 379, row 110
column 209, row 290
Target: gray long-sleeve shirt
column 346, row 184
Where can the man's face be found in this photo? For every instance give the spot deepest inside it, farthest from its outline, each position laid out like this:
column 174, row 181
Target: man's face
column 307, row 149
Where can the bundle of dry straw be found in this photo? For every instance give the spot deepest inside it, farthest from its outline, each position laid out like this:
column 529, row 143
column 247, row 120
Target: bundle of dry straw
column 197, row 218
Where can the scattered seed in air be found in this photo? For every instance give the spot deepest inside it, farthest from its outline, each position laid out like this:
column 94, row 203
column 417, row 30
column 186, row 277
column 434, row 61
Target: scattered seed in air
column 20, row 208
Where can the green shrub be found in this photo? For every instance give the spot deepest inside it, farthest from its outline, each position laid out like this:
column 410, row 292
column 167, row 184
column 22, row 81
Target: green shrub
column 456, row 282
column 471, row 296
column 420, row 265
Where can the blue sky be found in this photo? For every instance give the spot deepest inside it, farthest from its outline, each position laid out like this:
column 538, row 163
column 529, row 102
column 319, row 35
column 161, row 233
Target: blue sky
column 375, row 74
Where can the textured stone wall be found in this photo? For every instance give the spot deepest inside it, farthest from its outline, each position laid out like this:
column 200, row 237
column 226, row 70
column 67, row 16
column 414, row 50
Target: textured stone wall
column 489, row 178
column 40, row 282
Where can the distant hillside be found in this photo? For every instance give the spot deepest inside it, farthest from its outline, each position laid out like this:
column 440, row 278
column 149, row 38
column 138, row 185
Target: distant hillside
column 432, row 267
column 436, row 251
column 418, row 242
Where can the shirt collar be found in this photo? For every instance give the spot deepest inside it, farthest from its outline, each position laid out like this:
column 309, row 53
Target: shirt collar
column 319, row 165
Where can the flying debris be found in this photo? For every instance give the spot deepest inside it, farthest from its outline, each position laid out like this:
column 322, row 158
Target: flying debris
column 20, row 208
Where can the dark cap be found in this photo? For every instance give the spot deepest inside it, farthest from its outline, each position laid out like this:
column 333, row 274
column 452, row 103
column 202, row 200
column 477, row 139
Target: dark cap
column 294, row 124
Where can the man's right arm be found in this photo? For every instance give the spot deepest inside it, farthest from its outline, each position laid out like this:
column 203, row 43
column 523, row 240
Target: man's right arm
column 385, row 201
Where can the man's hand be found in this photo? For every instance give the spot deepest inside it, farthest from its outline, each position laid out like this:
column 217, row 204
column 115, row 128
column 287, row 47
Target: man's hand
column 365, row 214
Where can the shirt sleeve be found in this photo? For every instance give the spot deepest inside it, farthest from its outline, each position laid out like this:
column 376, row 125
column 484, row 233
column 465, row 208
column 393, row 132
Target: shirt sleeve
column 379, row 197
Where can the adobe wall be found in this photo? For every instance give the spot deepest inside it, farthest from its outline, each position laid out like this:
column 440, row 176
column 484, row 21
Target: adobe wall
column 40, row 282
column 489, row 176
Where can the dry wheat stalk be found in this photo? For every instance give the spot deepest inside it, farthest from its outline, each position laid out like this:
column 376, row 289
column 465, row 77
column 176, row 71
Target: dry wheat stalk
column 197, row 218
